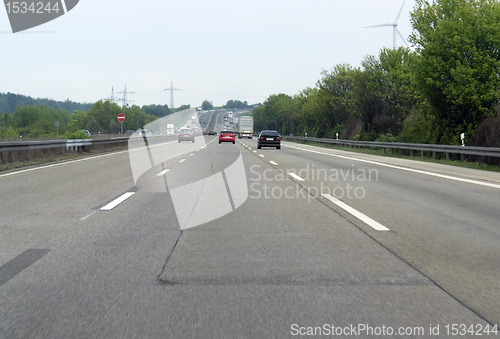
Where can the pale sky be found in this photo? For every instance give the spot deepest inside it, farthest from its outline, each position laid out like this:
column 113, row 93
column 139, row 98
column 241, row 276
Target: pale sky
column 213, row 50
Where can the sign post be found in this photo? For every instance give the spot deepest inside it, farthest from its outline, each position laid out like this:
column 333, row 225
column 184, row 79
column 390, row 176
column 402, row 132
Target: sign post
column 57, row 127
column 121, row 118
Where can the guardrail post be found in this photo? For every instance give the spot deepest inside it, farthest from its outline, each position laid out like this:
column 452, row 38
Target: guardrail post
column 462, row 157
column 447, row 156
column 411, row 153
column 434, row 155
column 421, row 154
column 480, row 158
column 392, row 149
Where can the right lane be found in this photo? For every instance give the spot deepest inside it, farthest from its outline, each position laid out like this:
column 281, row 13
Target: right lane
column 448, row 230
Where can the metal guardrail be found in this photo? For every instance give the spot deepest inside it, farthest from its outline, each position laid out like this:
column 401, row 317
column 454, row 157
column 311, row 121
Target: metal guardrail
column 447, row 149
column 74, row 144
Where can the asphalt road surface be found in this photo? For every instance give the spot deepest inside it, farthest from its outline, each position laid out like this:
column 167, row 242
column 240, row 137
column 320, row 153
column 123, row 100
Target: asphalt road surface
column 315, row 242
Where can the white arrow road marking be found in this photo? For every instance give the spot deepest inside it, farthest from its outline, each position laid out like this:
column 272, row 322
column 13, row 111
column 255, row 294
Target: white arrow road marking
column 117, row 201
column 367, row 220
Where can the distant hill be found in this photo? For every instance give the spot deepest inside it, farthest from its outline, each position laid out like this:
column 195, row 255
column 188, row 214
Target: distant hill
column 9, row 101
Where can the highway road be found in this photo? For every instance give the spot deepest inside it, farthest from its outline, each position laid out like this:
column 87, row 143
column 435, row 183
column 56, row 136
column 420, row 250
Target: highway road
column 314, row 240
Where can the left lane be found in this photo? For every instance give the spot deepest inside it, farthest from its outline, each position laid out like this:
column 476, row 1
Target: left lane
column 37, row 206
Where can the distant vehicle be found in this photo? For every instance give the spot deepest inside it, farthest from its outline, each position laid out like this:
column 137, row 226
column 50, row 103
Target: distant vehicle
column 245, row 127
column 269, row 138
column 158, row 133
column 230, row 114
column 199, row 110
column 170, row 129
column 212, row 133
column 193, row 117
column 129, row 132
column 227, row 136
column 186, row 134
column 145, row 132
column 86, row 131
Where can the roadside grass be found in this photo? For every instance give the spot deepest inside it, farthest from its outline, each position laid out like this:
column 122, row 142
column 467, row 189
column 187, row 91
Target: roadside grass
column 388, row 153
column 57, row 158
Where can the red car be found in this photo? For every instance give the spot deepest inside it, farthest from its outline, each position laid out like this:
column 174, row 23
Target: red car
column 186, row 135
column 227, row 136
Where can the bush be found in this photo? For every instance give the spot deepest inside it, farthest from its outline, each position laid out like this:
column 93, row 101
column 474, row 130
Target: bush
column 75, row 135
column 10, row 133
column 487, row 134
column 419, row 128
column 386, row 138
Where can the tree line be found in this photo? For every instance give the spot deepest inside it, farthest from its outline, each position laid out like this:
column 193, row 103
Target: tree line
column 448, row 85
column 39, row 121
column 9, row 102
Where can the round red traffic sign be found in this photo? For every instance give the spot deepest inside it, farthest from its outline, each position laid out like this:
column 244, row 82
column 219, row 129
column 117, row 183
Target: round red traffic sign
column 121, row 117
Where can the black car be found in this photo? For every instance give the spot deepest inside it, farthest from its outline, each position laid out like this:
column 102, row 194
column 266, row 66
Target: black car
column 212, row 133
column 269, row 139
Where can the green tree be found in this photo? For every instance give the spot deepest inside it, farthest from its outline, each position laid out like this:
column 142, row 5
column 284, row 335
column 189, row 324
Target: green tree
column 6, row 120
column 402, row 96
column 275, row 114
column 81, row 120
column 232, row 104
column 459, row 41
column 207, row 105
column 339, row 84
column 315, row 114
column 156, row 110
column 182, row 107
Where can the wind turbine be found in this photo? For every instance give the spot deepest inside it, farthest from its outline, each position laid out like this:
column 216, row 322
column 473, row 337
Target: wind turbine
column 394, row 27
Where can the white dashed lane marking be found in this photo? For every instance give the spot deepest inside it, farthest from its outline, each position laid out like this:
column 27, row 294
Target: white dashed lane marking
column 117, row 201
column 296, row 177
column 272, row 162
column 162, row 173
column 367, row 220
